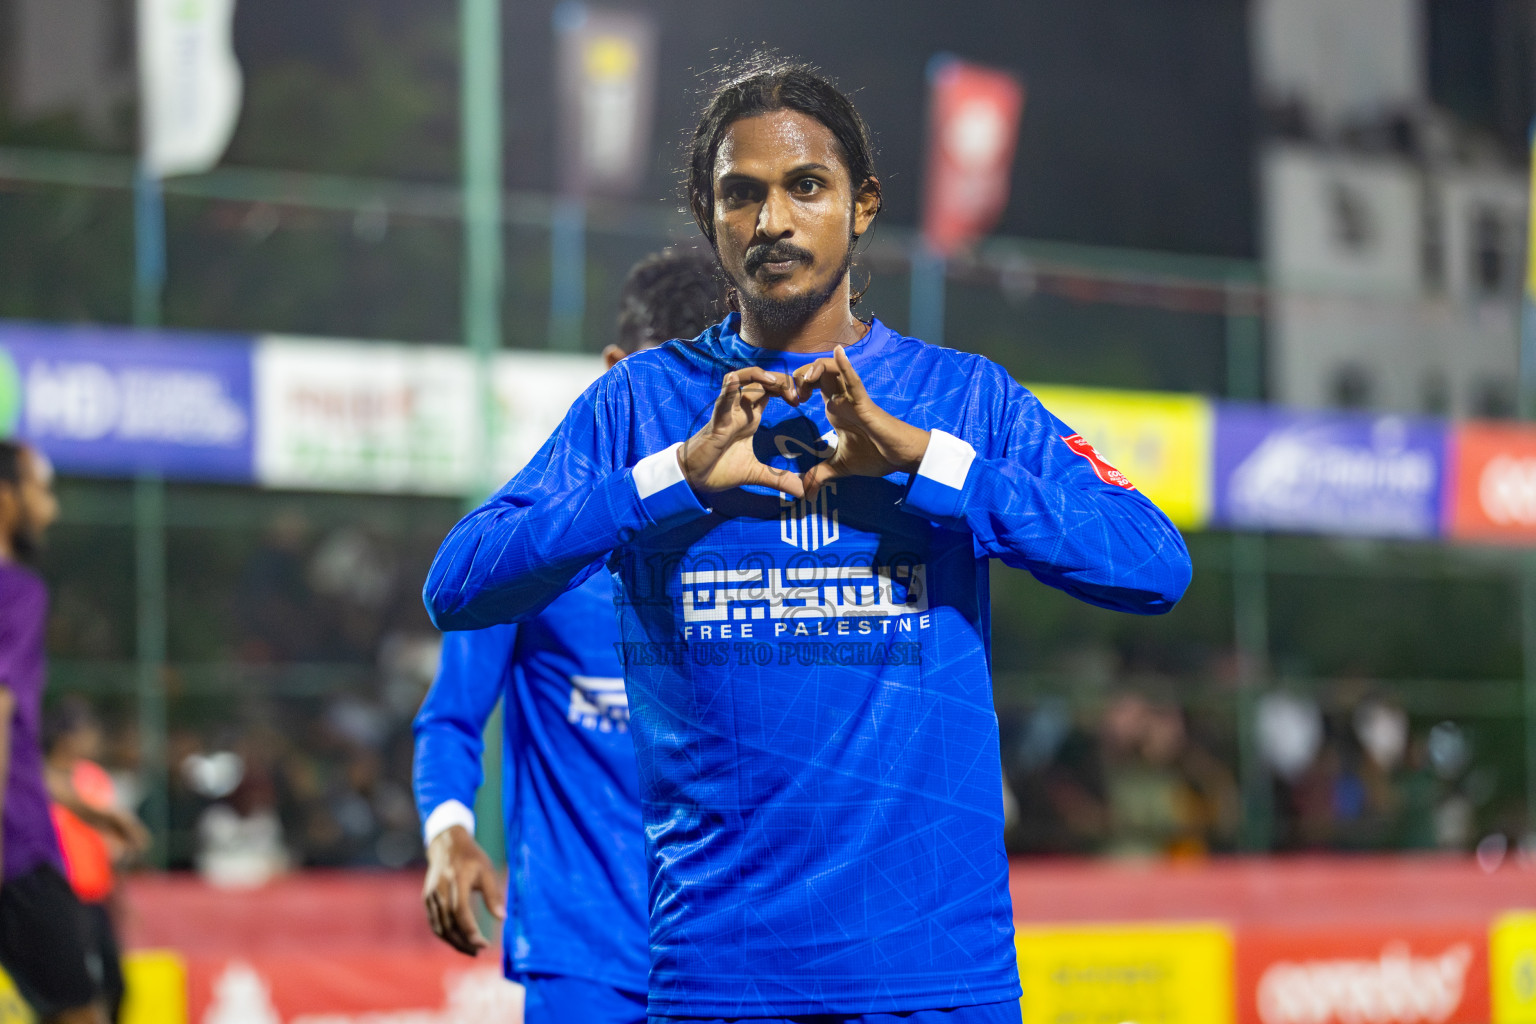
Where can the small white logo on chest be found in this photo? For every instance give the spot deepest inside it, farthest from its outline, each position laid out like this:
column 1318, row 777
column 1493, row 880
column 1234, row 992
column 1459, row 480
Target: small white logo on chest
column 793, row 447
column 599, row 703
column 809, row 525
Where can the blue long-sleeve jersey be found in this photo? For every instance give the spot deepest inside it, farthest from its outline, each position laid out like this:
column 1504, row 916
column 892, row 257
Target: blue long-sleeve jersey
column 809, row 681
column 577, row 887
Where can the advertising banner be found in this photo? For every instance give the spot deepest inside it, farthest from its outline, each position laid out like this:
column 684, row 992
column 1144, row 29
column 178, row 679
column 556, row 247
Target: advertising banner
column 400, row 418
column 1512, row 956
column 155, row 983
column 1493, row 483
column 342, row 987
column 1344, row 473
column 1415, row 974
column 607, row 84
column 353, row 416
column 534, row 390
column 105, row 402
column 1176, row 974
column 973, row 128
column 1162, row 443
column 13, row 1010
column 155, row 986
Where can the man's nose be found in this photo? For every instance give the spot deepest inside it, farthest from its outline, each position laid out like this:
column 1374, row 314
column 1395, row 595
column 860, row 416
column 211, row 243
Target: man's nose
column 775, row 218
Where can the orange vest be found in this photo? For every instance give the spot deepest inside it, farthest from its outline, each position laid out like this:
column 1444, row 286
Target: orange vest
column 87, row 857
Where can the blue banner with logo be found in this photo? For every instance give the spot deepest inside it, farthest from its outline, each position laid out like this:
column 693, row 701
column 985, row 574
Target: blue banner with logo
column 1329, row 472
column 112, row 402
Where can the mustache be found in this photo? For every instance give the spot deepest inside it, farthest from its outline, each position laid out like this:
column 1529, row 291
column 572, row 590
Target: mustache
column 774, row 252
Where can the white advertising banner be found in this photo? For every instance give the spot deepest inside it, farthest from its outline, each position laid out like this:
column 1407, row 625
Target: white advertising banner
column 534, row 390
column 356, row 416
column 363, row 417
column 189, row 83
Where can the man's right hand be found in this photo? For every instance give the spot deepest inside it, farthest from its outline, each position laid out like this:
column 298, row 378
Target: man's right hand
column 456, row 867
column 720, row 457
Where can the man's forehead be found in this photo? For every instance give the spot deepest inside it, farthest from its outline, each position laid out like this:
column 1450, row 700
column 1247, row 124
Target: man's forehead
column 776, row 142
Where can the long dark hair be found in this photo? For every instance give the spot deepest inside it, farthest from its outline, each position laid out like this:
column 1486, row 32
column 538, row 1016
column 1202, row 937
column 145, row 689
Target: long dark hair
column 10, row 463
column 12, row 455
column 761, row 83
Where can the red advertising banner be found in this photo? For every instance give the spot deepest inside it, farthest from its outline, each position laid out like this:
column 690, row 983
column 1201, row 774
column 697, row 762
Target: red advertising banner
column 973, row 127
column 350, row 988
column 1414, row 974
column 1493, row 483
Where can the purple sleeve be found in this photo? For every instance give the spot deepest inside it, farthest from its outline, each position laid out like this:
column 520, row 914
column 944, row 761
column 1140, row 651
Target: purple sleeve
column 23, row 605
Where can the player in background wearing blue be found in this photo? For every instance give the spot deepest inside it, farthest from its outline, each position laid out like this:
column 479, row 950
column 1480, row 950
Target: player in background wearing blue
column 798, row 510
column 576, row 937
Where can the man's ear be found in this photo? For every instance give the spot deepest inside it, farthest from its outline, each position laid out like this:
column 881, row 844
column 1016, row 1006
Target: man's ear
column 10, row 506
column 866, row 205
column 611, row 356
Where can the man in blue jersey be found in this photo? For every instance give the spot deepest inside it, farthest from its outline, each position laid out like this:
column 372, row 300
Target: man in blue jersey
column 798, row 510
column 576, row 937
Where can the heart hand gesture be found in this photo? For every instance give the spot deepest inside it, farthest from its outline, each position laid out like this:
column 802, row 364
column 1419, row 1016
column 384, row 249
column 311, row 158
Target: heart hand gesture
column 870, row 441
column 720, row 456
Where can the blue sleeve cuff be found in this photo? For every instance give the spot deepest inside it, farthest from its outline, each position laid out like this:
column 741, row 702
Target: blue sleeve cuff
column 664, row 491
column 937, row 488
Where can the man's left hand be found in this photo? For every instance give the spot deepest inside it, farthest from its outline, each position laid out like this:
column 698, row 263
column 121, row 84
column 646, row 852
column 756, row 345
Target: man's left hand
column 870, row 441
column 127, row 827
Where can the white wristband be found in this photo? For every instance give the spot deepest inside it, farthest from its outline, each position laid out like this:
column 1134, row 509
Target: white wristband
column 947, row 460
column 443, row 817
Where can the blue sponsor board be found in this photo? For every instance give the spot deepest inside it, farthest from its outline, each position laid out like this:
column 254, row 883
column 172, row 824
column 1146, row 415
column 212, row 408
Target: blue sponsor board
column 1323, row 472
column 113, row 402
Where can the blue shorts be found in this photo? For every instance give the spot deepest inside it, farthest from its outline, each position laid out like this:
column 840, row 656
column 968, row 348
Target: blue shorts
column 557, row 999
column 987, row 1013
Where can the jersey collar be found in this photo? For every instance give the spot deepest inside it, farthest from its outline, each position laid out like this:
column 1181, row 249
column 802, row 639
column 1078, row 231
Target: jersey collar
column 740, row 352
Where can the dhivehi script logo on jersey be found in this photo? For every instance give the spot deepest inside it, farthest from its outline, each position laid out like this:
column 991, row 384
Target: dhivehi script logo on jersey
column 600, row 703
column 1397, row 988
column 1103, row 470
column 805, row 592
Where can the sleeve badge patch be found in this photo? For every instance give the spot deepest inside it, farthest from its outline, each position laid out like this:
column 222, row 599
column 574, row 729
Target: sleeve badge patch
column 1109, row 474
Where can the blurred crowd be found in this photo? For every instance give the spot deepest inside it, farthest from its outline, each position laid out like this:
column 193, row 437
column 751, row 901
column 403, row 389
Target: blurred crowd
column 1141, row 774
column 293, row 783
column 293, row 749
column 289, row 738
column 326, row 782
column 1130, row 781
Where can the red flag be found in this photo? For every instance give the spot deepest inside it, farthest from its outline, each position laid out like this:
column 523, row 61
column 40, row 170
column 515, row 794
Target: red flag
column 973, row 128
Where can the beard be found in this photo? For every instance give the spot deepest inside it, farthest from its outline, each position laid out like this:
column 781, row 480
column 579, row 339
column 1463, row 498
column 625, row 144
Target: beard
column 26, row 541
column 27, row 545
column 780, row 314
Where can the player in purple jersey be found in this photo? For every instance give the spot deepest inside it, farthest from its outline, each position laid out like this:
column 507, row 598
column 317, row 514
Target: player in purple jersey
column 799, row 510
column 576, row 937
column 44, row 935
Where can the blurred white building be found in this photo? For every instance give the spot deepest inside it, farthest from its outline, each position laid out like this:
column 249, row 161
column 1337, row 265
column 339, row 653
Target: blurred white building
column 1343, row 59
column 1393, row 231
column 68, row 58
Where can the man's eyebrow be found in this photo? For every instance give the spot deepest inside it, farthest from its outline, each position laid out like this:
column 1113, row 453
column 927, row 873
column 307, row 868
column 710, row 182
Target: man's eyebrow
column 800, row 169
